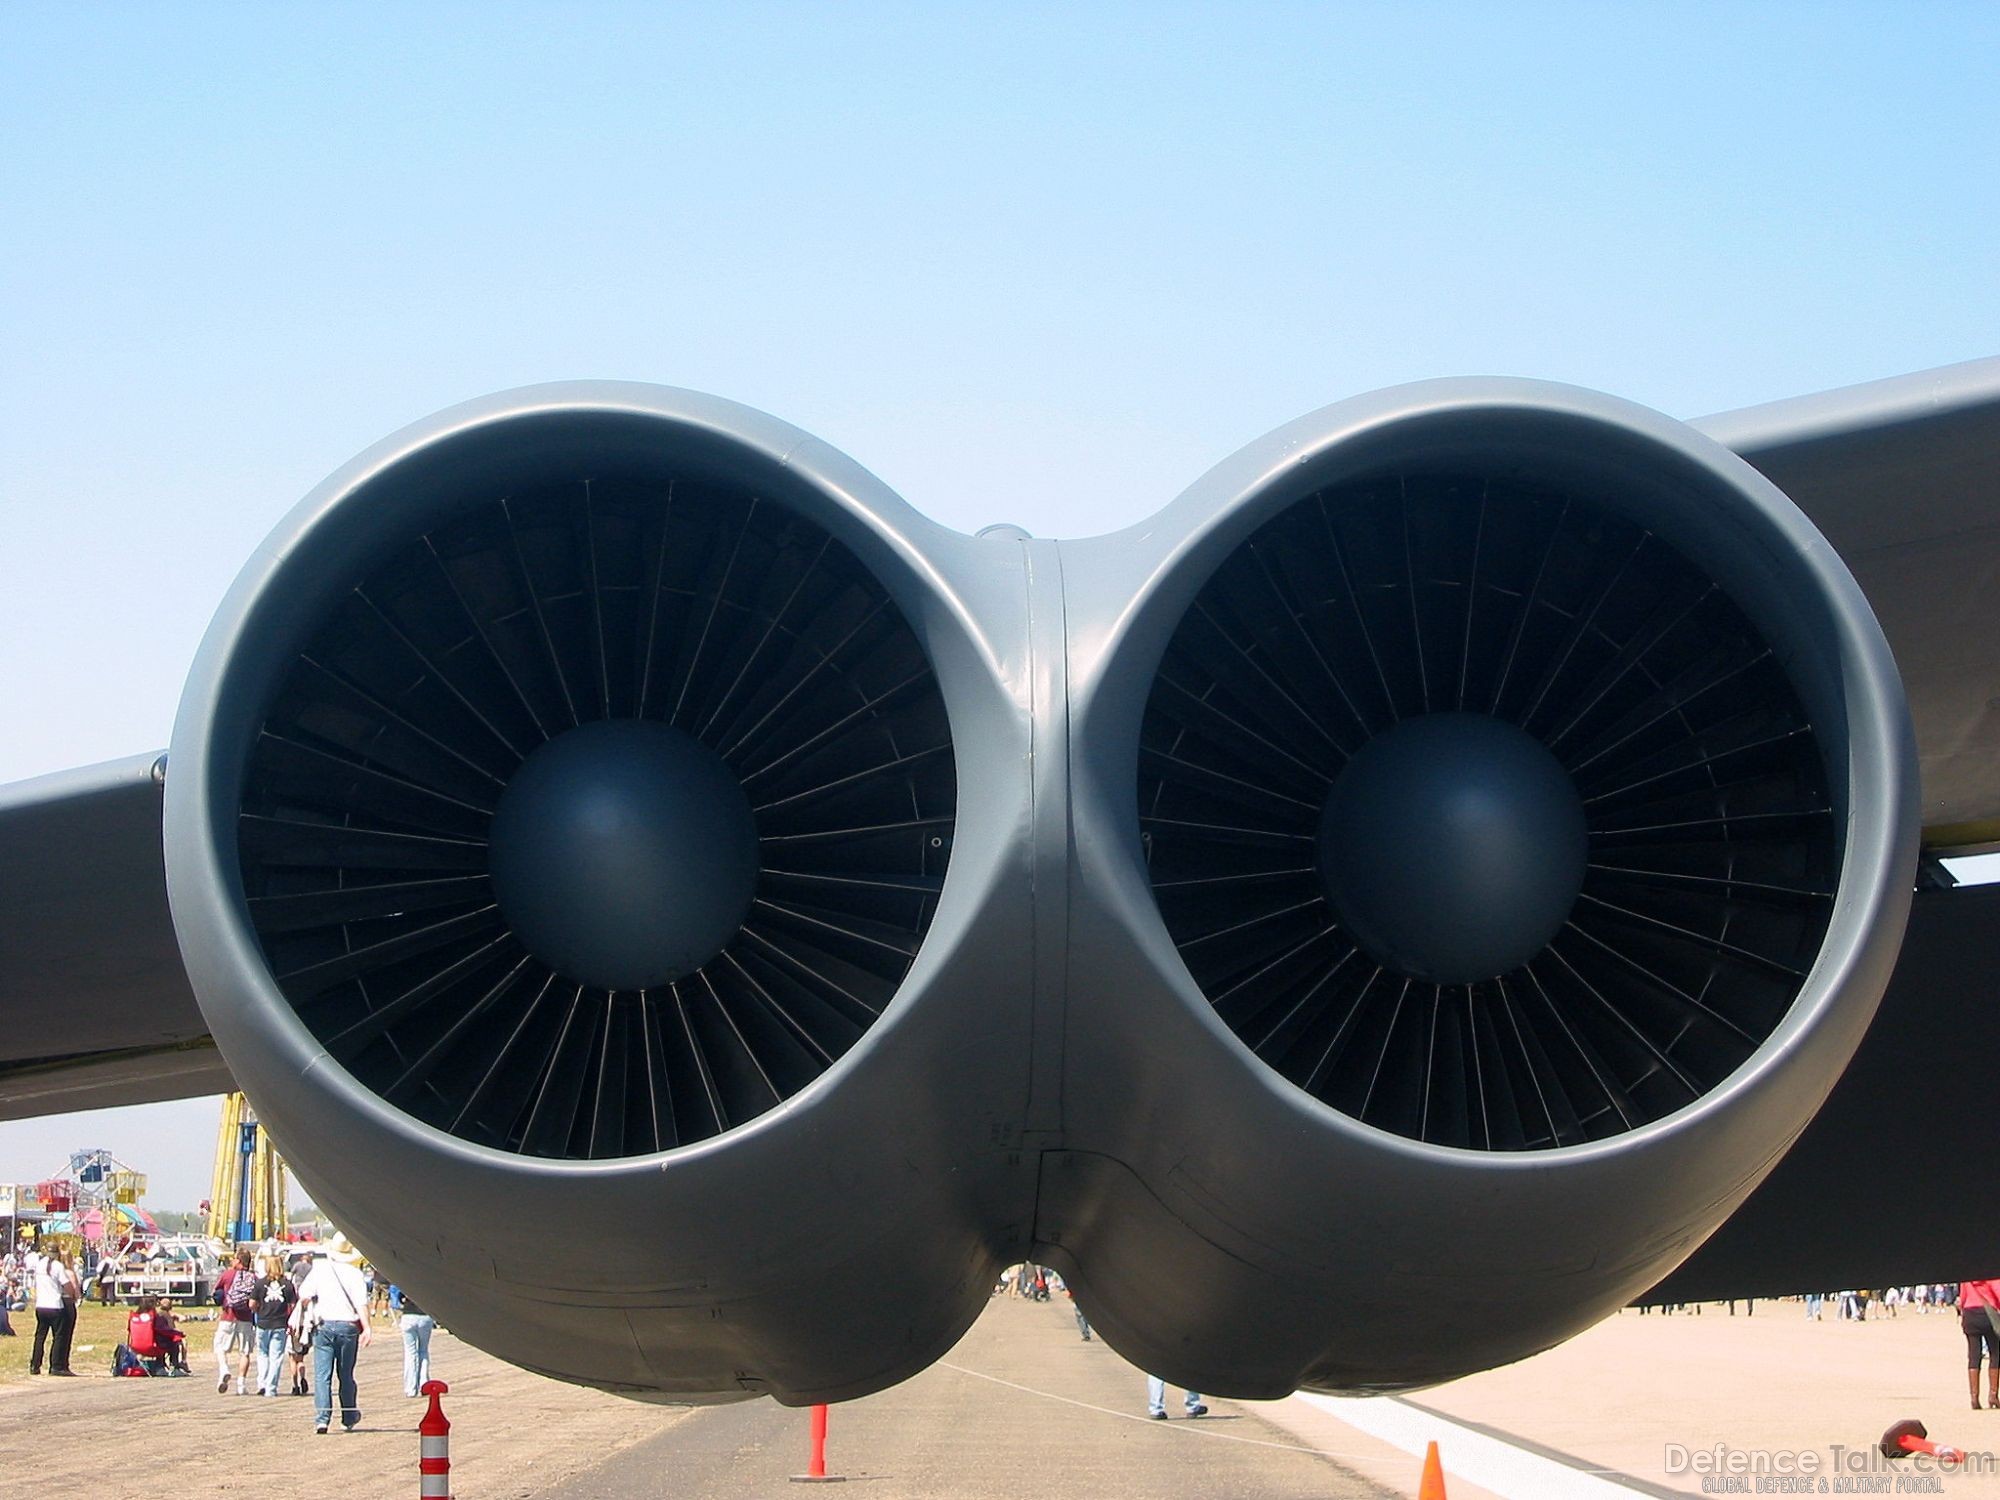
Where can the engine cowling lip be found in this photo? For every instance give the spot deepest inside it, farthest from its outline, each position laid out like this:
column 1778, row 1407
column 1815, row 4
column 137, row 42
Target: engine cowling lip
column 1221, row 510
column 251, row 638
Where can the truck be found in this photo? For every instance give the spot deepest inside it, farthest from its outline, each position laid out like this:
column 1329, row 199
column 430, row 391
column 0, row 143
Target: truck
column 181, row 1266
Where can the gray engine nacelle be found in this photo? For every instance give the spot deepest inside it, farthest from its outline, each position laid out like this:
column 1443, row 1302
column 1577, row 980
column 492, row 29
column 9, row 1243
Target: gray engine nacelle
column 1496, row 819
column 694, row 920
column 559, row 829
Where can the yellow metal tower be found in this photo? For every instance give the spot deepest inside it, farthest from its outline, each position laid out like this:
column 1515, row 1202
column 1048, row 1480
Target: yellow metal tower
column 246, row 1200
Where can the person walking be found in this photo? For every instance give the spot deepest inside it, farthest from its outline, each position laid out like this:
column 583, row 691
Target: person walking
column 338, row 1293
column 1156, row 1400
column 1979, row 1321
column 1082, row 1320
column 236, row 1324
column 275, row 1297
column 299, row 1331
column 417, row 1326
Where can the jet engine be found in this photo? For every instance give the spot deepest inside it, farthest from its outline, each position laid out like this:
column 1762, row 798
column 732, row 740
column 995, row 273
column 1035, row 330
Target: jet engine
column 1495, row 805
column 1362, row 925
column 566, row 844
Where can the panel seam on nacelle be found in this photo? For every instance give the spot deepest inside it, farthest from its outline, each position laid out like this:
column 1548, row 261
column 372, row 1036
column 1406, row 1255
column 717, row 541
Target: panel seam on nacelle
column 1049, row 831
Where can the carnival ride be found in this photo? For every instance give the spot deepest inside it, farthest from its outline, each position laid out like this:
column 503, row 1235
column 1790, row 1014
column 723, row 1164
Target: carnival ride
column 247, row 1198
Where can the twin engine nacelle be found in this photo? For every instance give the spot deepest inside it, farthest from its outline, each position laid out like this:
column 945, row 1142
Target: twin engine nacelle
column 695, row 920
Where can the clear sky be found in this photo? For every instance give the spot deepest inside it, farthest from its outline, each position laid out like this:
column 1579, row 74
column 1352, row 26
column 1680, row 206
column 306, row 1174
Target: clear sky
column 1040, row 265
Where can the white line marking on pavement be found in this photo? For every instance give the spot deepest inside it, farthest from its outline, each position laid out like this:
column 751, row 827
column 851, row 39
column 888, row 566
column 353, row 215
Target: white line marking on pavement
column 1470, row 1454
column 1193, row 1427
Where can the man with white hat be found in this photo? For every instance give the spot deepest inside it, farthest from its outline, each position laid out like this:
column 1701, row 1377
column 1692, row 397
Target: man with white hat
column 337, row 1292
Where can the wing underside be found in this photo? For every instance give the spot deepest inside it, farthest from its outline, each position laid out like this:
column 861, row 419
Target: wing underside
column 1884, row 1187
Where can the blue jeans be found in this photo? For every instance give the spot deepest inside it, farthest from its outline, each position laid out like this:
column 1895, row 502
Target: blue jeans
column 1156, row 1396
column 416, row 1351
column 334, row 1347
column 270, row 1360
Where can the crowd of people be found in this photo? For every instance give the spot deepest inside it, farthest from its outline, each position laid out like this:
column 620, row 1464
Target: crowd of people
column 273, row 1316
column 287, row 1321
column 1977, row 1304
column 1926, row 1297
column 1851, row 1304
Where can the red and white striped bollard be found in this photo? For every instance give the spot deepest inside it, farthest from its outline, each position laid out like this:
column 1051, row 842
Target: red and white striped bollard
column 434, row 1447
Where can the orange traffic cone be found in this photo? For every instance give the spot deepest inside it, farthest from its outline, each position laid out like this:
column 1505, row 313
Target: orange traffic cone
column 1431, row 1486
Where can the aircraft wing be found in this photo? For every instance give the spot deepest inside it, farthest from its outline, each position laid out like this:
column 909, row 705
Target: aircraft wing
column 1903, row 477
column 94, row 1006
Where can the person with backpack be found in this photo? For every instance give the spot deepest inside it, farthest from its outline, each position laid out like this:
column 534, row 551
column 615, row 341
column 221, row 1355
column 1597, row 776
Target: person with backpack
column 275, row 1298
column 236, row 1328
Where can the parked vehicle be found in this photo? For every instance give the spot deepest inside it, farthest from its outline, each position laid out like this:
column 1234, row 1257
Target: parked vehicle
column 181, row 1266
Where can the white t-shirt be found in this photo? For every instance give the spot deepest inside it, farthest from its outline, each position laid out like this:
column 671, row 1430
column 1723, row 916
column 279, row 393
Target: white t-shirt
column 341, row 1292
column 51, row 1281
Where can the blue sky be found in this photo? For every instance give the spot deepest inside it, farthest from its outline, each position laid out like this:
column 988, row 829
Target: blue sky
column 1041, row 265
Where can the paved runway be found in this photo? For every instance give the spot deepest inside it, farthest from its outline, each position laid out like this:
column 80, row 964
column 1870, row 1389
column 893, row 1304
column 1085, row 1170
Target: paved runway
column 1022, row 1407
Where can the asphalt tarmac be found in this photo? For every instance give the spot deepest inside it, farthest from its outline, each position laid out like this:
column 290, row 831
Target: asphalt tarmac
column 1022, row 1407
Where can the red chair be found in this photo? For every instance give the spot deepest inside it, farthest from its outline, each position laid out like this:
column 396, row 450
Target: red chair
column 140, row 1336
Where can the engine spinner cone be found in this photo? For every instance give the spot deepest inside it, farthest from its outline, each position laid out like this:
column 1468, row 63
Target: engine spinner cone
column 1453, row 847
column 624, row 854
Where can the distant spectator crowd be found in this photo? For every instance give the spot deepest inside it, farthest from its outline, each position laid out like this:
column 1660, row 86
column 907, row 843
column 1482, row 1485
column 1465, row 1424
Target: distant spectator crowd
column 1924, row 1296
column 287, row 1319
